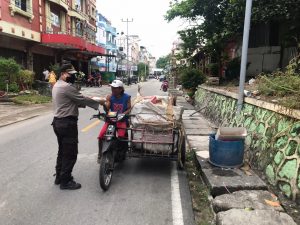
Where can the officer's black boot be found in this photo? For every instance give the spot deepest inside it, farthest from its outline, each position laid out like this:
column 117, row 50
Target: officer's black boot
column 57, row 179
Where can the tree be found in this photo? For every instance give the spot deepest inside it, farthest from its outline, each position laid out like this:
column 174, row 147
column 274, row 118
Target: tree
column 162, row 62
column 141, row 70
column 214, row 22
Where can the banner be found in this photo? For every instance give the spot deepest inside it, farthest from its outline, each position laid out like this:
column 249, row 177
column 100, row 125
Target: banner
column 122, row 67
column 134, row 68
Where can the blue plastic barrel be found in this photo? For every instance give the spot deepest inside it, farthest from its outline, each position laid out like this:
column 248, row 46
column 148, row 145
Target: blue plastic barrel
column 229, row 154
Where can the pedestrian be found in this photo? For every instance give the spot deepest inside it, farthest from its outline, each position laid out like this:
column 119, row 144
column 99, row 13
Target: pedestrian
column 46, row 75
column 52, row 78
column 66, row 100
column 120, row 102
column 99, row 77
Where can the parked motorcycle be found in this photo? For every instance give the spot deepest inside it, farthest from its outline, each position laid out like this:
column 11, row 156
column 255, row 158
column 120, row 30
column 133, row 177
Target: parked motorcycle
column 112, row 147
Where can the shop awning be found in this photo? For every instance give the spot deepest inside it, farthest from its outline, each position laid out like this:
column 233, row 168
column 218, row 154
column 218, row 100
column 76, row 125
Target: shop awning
column 64, row 41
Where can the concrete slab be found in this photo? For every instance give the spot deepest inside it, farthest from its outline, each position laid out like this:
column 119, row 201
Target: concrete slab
column 203, row 156
column 261, row 217
column 188, row 112
column 253, row 200
column 224, row 181
column 198, row 146
column 199, row 131
column 207, row 130
column 202, row 139
column 198, row 143
column 185, row 105
column 192, row 118
column 198, row 119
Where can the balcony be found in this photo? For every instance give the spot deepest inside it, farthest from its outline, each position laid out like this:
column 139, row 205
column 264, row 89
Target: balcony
column 77, row 13
column 61, row 3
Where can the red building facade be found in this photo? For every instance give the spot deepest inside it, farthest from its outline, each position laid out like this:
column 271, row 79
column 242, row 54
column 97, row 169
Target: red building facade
column 38, row 33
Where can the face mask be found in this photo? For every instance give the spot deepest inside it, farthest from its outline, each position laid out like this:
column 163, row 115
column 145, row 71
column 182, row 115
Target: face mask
column 71, row 79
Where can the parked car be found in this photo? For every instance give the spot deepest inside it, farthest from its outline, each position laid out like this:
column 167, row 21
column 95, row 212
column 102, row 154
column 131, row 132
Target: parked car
column 133, row 79
column 151, row 76
column 162, row 77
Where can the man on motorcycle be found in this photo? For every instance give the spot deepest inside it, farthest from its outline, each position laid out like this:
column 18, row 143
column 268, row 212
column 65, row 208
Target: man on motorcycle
column 164, row 86
column 119, row 102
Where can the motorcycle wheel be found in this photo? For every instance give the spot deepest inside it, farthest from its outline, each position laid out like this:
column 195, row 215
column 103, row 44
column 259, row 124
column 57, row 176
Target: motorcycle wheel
column 106, row 170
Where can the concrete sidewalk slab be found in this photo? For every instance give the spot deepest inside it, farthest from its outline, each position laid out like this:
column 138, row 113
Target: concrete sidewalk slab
column 258, row 217
column 198, row 143
column 223, row 181
column 199, row 131
column 254, row 200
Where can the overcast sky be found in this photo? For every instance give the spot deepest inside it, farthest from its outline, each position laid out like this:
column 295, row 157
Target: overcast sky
column 156, row 34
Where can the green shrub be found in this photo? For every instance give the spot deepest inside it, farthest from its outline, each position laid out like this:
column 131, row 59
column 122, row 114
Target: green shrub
column 284, row 85
column 191, row 78
column 31, row 99
column 2, row 86
column 13, row 87
column 233, row 69
column 213, row 69
column 9, row 70
column 26, row 78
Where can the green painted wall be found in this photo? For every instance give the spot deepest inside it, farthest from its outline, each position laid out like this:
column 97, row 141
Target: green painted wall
column 273, row 141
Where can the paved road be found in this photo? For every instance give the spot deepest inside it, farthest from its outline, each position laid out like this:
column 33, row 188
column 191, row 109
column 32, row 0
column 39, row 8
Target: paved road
column 142, row 192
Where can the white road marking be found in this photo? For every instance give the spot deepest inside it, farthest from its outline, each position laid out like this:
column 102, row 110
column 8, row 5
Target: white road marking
column 2, row 204
column 175, row 197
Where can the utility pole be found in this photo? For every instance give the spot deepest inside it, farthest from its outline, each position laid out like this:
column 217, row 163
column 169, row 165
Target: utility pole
column 127, row 66
column 244, row 55
column 143, row 50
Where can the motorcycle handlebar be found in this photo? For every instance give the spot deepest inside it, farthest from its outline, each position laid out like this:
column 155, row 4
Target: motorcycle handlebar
column 103, row 115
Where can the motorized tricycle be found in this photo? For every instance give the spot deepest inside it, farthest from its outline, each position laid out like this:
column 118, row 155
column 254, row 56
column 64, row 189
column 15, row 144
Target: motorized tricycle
column 143, row 141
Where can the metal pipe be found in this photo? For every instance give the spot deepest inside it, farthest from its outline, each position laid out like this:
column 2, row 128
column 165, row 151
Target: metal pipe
column 244, row 56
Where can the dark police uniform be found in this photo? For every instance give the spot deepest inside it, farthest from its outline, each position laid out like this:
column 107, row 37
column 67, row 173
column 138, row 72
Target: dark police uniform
column 66, row 100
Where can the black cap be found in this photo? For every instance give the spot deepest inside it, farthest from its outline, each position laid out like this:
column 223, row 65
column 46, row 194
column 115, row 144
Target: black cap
column 68, row 68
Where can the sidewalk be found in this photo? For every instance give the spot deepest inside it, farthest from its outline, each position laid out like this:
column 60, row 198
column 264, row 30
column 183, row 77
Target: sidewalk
column 240, row 196
column 11, row 113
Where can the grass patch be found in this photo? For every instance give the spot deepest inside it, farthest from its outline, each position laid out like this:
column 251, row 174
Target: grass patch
column 199, row 192
column 31, row 99
column 285, row 87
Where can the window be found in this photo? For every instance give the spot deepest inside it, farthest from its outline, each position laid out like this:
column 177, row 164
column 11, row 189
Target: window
column 78, row 5
column 21, row 4
column 21, row 7
column 55, row 19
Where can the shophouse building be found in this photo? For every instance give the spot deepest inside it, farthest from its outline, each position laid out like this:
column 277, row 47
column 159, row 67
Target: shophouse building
column 106, row 38
column 38, row 33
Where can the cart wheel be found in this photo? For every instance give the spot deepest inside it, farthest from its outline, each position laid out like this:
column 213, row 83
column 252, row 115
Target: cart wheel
column 181, row 155
column 106, row 170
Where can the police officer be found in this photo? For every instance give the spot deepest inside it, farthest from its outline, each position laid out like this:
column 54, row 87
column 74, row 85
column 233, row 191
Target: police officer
column 66, row 101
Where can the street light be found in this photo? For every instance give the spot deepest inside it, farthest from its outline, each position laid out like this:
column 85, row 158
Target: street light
column 128, row 73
